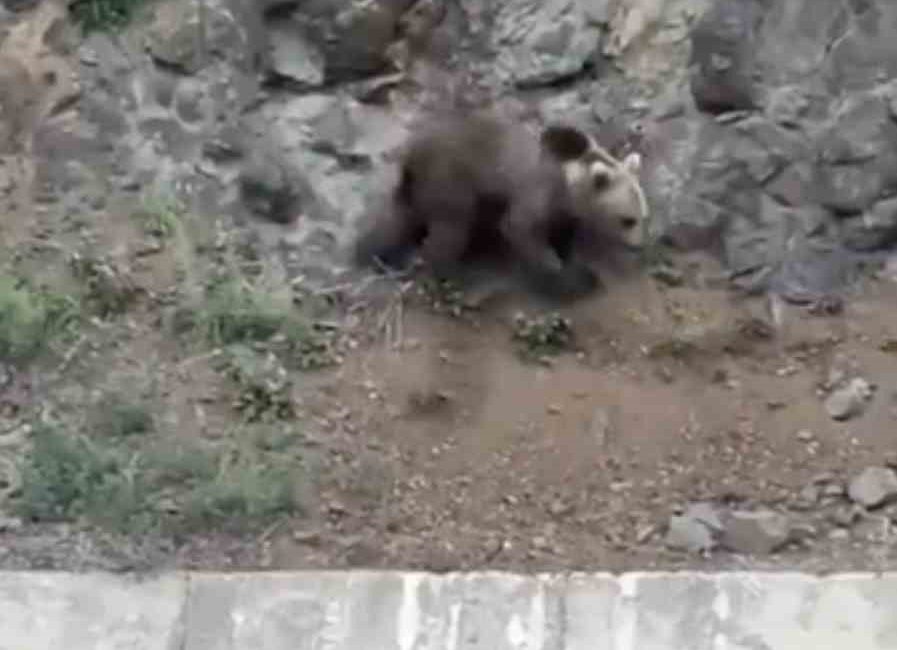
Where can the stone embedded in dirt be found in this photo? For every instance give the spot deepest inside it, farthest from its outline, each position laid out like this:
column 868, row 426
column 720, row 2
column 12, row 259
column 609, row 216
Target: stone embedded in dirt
column 707, row 514
column 687, row 534
column 756, row 533
column 847, row 402
column 696, row 530
column 601, row 426
column 873, row 528
column 846, row 516
column 808, row 498
column 873, row 487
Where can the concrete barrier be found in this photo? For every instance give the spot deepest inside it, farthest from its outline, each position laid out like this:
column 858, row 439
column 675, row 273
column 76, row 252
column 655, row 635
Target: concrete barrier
column 362, row 610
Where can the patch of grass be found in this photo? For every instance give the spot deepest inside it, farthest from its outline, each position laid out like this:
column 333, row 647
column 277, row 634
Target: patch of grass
column 160, row 216
column 543, row 336
column 244, row 492
column 30, row 320
column 120, row 416
column 235, row 312
column 105, row 15
column 67, row 476
column 170, row 489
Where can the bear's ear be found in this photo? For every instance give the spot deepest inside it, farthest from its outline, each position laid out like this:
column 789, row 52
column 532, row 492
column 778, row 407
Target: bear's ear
column 632, row 163
column 565, row 142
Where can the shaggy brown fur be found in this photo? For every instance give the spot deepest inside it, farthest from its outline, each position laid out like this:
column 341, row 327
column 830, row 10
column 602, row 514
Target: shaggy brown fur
column 482, row 186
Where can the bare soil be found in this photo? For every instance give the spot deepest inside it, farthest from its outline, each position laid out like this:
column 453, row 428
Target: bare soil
column 440, row 447
column 579, row 464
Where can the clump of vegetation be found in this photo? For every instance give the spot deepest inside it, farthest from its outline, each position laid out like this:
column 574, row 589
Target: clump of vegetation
column 443, row 296
column 543, row 336
column 160, row 216
column 235, row 312
column 169, row 489
column 120, row 416
column 68, row 476
column 242, row 492
column 110, row 289
column 263, row 383
column 104, row 15
column 31, row 320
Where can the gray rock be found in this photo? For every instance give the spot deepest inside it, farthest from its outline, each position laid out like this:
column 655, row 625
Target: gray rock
column 847, row 402
column 267, row 190
column 540, row 41
column 787, row 105
column 687, row 534
column 352, row 37
column 756, row 533
column 861, row 132
column 723, row 45
column 186, row 35
column 873, row 487
column 814, row 267
column 864, row 54
column 874, row 528
column 875, row 230
column 293, row 56
column 707, row 514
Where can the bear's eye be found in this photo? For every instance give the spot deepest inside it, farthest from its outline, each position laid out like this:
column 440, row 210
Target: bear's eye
column 601, row 180
column 628, row 223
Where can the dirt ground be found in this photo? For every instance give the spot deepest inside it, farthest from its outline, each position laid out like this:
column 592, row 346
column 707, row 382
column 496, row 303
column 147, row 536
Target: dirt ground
column 579, row 464
column 440, row 447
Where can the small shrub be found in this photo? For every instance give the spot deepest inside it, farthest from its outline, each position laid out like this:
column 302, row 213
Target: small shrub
column 169, row 489
column 235, row 313
column 242, row 495
column 30, row 320
column 181, row 465
column 119, row 416
column 543, row 336
column 263, row 383
column 65, row 476
column 160, row 216
column 443, row 296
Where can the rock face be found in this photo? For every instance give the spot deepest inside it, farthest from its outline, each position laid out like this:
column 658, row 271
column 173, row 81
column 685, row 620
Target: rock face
column 768, row 127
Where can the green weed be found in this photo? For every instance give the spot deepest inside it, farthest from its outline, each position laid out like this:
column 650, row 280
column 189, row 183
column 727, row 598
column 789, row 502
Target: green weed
column 104, row 15
column 543, row 336
column 119, row 416
column 160, row 216
column 31, row 320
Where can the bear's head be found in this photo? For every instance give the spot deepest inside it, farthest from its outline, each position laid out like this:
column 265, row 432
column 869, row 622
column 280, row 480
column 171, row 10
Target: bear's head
column 602, row 191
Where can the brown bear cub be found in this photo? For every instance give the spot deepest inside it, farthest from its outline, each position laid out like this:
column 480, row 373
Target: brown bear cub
column 481, row 185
